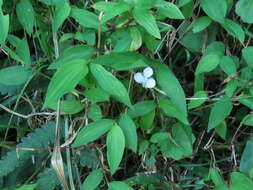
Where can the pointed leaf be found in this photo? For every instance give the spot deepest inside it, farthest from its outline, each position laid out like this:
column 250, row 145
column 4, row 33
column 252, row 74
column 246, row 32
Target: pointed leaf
column 207, row 63
column 62, row 12
column 4, row 25
column 234, row 29
column 118, row 185
column 93, row 180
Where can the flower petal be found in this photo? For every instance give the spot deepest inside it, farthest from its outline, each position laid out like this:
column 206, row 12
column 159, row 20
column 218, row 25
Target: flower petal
column 150, row 83
column 148, row 72
column 139, row 78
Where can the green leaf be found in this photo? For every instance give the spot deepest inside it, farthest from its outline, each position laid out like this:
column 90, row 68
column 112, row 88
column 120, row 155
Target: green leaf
column 64, row 80
column 96, row 95
column 147, row 120
column 234, row 30
column 69, row 106
column 110, row 84
column 93, row 180
column 25, row 14
column 94, row 112
column 111, row 9
column 22, row 50
column 215, row 9
column 201, row 23
column 136, row 39
column 141, row 108
column 215, row 176
column 74, row 52
column 27, row 187
column 244, row 9
column 183, row 2
column 219, row 112
column 246, row 163
column 92, row 131
column 86, row 18
column 215, row 47
column 228, row 65
column 240, row 181
column 147, row 20
column 248, row 120
column 207, row 63
column 171, row 86
column 52, row 2
column 125, row 60
column 170, row 110
column 116, row 185
column 129, row 129
column 115, row 143
column 247, row 53
column 62, row 12
column 14, row 75
column 198, row 99
column 169, row 10
column 4, row 25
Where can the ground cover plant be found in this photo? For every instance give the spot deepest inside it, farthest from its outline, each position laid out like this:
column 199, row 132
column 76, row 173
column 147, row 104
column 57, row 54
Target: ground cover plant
column 126, row 94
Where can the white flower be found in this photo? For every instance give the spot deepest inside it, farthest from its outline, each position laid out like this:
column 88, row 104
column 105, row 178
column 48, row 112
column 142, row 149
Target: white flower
column 145, row 78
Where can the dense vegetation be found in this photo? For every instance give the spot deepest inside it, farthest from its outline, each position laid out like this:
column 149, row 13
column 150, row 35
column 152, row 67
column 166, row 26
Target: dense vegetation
column 126, row 94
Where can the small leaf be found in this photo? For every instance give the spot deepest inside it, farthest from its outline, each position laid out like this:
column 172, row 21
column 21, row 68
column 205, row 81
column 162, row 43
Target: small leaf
column 147, row 20
column 64, row 80
column 169, row 10
column 141, row 108
column 234, row 30
column 115, row 143
column 93, row 180
column 201, row 23
column 23, row 52
column 228, row 65
column 136, row 39
column 219, row 112
column 198, row 99
column 244, row 9
column 215, row 9
column 207, row 63
column 62, row 12
column 129, row 129
column 14, row 75
column 240, row 181
column 247, row 53
column 92, row 131
column 118, row 185
column 110, row 84
column 4, row 25
column 25, row 14
column 215, row 176
column 246, row 163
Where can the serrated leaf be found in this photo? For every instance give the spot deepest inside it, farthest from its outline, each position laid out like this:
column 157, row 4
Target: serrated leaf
column 169, row 10
column 62, row 12
column 198, row 99
column 244, row 9
column 129, row 129
column 207, row 63
column 215, row 9
column 110, row 84
column 147, row 20
column 201, row 23
column 115, row 143
column 92, row 131
column 116, row 185
column 234, row 29
column 14, row 75
column 25, row 14
column 220, row 110
column 4, row 25
column 64, row 80
column 93, row 180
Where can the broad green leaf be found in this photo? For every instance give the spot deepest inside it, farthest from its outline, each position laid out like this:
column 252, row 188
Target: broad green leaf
column 25, row 14
column 115, row 143
column 74, row 52
column 94, row 112
column 215, row 176
column 231, row 87
column 86, row 18
column 244, row 9
column 221, row 130
column 129, row 129
column 118, row 185
column 169, row 10
column 234, row 29
column 111, row 9
column 125, row 61
column 92, row 131
column 62, row 12
column 69, row 106
column 193, row 41
column 183, row 2
column 22, row 50
column 14, row 75
column 158, row 137
column 141, row 108
column 147, row 120
column 110, row 84
column 52, row 2
column 221, row 187
column 93, row 180
column 170, row 110
column 198, row 99
column 240, row 181
column 147, row 20
column 136, row 39
column 215, row 9
column 248, row 120
column 228, row 65
column 4, row 25
column 96, row 95
column 220, row 110
column 201, row 23
column 207, row 63
column 215, row 47
column 144, row 4
column 246, row 163
column 247, row 53
column 64, row 80
column 171, row 86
